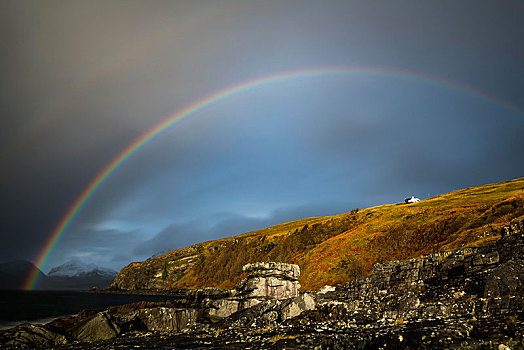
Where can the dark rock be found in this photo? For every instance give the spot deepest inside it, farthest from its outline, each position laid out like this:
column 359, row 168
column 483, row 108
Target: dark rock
column 293, row 307
column 99, row 327
column 273, row 269
column 270, row 280
column 32, row 336
column 506, row 280
column 166, row 319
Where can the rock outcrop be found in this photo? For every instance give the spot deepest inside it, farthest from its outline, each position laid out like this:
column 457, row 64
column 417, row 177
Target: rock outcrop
column 269, row 294
column 31, row 336
column 270, row 280
column 100, row 327
column 267, row 283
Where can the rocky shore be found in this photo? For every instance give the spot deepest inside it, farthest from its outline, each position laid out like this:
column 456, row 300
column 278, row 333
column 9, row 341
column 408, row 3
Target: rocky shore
column 465, row 299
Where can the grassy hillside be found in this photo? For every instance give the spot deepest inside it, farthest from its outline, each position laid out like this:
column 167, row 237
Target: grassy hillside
column 339, row 248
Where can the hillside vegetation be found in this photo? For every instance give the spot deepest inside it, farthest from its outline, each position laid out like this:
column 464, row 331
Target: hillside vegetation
column 334, row 249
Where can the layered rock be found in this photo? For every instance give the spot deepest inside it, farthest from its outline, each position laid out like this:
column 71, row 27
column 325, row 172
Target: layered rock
column 267, row 283
column 279, row 270
column 467, row 298
column 101, row 326
column 270, row 280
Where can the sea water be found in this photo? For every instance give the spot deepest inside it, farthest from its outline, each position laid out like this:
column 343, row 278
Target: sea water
column 17, row 307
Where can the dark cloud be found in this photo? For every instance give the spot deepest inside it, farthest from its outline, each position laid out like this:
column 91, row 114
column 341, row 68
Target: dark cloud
column 228, row 224
column 82, row 80
column 105, row 247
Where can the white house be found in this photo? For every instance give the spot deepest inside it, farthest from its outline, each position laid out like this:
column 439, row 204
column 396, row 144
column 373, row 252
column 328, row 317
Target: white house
column 413, row 199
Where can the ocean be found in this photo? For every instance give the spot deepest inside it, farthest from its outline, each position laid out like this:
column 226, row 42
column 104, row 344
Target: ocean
column 17, row 307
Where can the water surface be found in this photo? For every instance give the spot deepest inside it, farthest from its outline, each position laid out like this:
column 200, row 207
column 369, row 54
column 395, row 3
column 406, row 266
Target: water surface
column 18, row 307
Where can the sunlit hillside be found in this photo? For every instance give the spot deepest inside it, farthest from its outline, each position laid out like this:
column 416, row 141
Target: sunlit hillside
column 339, row 248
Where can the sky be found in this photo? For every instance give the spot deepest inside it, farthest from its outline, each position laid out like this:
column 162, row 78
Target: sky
column 434, row 103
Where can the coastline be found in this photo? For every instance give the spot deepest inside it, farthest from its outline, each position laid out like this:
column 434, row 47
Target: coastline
column 44, row 306
column 160, row 292
column 39, row 321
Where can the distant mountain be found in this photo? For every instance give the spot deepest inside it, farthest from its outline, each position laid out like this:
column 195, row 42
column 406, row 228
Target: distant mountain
column 14, row 273
column 78, row 268
column 76, row 274
column 73, row 274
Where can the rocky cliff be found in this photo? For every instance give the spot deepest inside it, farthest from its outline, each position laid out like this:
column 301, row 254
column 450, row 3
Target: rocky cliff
column 470, row 298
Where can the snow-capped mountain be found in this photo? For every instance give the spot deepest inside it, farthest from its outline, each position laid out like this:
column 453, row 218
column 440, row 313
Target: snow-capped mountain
column 78, row 268
column 72, row 275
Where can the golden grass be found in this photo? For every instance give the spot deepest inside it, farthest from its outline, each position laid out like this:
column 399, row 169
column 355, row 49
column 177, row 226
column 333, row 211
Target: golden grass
column 338, row 248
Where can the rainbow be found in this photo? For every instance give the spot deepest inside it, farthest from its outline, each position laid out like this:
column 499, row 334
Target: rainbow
column 106, row 173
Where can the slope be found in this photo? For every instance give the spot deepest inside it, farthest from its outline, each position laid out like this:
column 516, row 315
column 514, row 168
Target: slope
column 339, row 248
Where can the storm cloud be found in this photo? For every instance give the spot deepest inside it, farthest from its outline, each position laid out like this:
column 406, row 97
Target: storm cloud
column 83, row 80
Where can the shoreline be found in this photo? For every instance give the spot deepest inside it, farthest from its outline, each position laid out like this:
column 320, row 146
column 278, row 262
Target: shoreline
column 160, row 292
column 38, row 321
column 25, row 307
